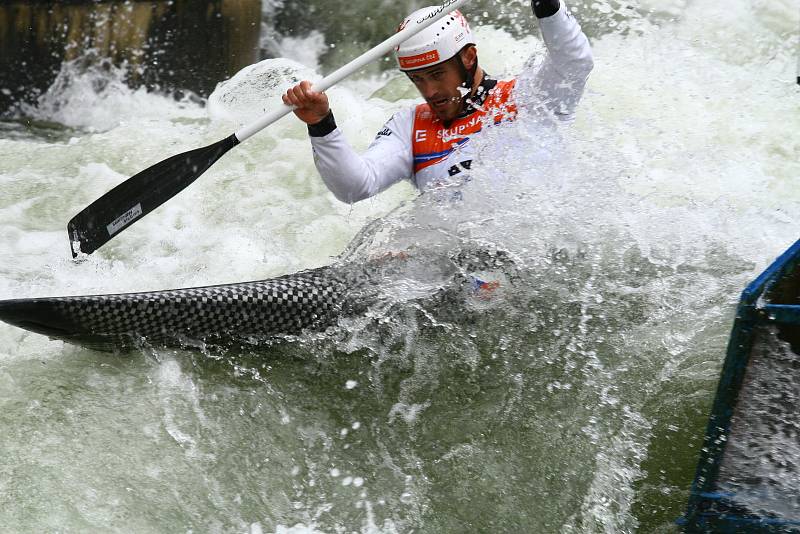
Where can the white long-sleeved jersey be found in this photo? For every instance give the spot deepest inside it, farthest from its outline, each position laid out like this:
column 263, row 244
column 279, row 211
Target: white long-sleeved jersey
column 416, row 146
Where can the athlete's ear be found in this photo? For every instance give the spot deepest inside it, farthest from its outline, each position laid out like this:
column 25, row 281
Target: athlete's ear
column 469, row 56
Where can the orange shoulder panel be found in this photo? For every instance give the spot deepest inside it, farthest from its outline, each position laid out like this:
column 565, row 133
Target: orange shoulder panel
column 432, row 142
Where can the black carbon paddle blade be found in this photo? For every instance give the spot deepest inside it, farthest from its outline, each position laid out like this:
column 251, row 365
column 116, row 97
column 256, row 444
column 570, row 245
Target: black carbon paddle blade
column 137, row 196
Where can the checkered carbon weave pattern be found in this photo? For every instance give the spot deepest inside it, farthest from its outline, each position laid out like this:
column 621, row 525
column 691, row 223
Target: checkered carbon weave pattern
column 247, row 311
column 282, row 305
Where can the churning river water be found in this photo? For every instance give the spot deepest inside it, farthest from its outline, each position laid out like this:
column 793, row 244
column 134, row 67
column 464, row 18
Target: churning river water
column 573, row 398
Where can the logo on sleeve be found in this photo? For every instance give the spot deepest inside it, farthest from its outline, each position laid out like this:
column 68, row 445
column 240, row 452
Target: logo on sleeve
column 386, row 132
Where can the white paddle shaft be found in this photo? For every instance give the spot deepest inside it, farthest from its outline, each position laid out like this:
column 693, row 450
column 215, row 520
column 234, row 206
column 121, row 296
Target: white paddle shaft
column 354, row 66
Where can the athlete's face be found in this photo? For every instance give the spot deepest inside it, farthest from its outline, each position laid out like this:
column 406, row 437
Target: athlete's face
column 440, row 86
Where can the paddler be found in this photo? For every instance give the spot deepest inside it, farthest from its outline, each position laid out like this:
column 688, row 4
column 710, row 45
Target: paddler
column 429, row 144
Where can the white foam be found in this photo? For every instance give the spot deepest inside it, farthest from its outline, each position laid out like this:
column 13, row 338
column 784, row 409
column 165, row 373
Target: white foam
column 503, row 55
column 305, row 50
column 685, row 145
column 96, row 97
column 297, row 529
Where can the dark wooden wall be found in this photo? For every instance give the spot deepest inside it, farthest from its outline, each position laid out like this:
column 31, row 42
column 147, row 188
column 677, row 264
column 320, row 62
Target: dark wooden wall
column 172, row 44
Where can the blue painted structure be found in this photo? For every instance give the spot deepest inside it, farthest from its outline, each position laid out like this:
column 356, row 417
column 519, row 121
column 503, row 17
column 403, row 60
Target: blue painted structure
column 771, row 303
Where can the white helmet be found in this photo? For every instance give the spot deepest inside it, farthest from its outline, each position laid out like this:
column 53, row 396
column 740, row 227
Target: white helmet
column 435, row 44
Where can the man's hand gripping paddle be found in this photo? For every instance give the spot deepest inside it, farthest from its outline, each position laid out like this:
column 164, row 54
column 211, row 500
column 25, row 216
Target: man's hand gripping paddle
column 134, row 198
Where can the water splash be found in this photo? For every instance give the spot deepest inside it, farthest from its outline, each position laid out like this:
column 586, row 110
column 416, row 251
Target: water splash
column 93, row 94
column 622, row 252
